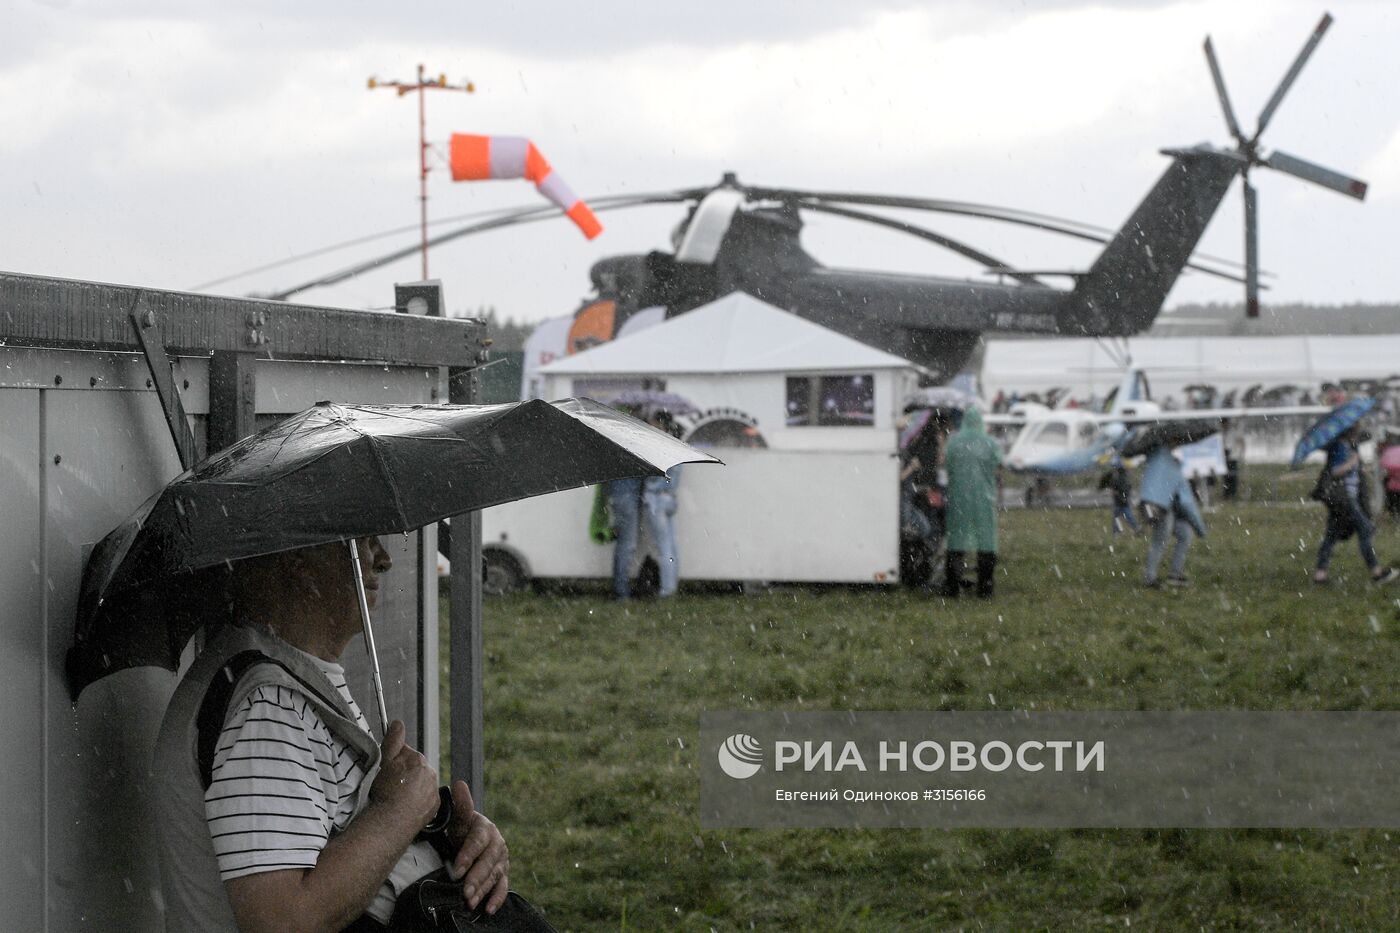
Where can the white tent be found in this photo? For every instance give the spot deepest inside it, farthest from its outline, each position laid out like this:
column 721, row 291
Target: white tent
column 735, row 334
column 1086, row 368
column 742, row 359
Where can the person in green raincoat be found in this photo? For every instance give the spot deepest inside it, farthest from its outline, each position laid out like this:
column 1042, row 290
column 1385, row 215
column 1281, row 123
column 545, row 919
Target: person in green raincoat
column 972, row 461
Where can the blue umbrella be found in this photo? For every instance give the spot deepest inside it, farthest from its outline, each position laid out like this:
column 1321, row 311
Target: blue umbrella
column 1332, row 426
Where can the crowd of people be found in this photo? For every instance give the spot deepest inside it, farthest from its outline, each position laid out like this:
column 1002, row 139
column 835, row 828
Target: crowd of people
column 949, row 482
column 949, row 499
column 1170, row 508
column 1386, row 393
column 950, row 476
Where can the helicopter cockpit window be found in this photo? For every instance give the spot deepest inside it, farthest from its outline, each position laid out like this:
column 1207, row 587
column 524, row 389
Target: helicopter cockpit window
column 831, row 401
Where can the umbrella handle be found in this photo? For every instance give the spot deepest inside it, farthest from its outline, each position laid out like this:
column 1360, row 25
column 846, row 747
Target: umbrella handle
column 375, row 680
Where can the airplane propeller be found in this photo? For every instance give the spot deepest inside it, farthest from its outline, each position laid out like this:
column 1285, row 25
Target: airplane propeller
column 1247, row 149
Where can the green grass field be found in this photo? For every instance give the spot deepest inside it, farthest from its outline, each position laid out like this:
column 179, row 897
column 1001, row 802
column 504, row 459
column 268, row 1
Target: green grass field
column 592, row 724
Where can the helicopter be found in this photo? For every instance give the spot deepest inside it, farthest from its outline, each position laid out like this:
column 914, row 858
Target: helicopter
column 741, row 237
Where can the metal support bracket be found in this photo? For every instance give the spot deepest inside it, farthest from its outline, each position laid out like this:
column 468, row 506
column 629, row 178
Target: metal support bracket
column 233, row 390
column 143, row 319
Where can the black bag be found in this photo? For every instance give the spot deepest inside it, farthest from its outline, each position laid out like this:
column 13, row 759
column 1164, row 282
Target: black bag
column 1330, row 490
column 435, row 902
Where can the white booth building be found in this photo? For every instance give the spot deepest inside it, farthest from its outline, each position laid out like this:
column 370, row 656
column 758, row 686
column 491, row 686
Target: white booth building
column 802, row 386
column 804, row 420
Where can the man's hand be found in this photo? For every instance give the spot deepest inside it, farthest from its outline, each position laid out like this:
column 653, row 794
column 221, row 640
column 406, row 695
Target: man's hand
column 405, row 783
column 483, row 861
column 352, row 866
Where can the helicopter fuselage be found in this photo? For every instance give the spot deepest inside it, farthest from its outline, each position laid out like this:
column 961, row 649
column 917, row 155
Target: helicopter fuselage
column 935, row 321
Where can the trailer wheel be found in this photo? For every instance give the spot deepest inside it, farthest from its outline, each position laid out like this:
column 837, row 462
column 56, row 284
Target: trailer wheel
column 501, row 574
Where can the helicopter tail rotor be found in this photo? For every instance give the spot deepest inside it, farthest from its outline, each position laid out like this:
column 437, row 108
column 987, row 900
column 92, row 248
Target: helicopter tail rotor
column 1248, row 151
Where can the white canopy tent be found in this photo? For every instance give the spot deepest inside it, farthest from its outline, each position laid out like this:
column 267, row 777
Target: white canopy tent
column 735, row 334
column 735, row 358
column 1087, row 367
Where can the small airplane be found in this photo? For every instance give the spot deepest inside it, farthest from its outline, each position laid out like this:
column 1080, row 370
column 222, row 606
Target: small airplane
column 1067, row 441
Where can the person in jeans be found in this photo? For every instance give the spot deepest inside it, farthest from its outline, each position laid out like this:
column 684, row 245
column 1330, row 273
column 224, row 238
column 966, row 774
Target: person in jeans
column 1349, row 512
column 1170, row 508
column 625, row 504
column 659, row 510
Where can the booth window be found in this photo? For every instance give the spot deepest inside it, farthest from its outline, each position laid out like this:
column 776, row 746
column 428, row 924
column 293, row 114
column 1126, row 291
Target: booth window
column 831, row 401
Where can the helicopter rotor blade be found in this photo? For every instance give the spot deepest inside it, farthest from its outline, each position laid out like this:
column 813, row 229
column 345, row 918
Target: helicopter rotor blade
column 1219, row 79
column 1309, row 171
column 1304, row 54
column 507, row 219
column 1046, row 222
column 663, row 197
column 937, row 205
column 1251, row 250
column 962, row 249
column 974, row 254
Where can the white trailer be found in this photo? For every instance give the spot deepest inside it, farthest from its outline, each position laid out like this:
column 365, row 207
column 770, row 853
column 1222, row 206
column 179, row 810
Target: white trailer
column 801, row 516
column 804, row 419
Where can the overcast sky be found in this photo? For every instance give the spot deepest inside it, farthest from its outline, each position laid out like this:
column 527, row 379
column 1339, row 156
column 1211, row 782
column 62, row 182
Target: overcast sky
column 178, row 141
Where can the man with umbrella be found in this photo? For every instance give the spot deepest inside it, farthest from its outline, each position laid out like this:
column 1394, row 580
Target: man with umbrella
column 1342, row 490
column 1339, row 486
column 281, row 810
column 306, row 832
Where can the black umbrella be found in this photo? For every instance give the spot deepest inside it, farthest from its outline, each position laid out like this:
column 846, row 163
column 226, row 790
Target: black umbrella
column 335, row 473
column 1168, row 434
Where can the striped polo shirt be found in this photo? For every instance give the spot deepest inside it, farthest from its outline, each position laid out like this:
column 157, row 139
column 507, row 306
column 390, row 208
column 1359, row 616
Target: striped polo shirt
column 283, row 784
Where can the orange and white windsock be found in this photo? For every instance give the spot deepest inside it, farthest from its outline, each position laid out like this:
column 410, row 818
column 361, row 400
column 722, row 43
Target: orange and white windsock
column 476, row 158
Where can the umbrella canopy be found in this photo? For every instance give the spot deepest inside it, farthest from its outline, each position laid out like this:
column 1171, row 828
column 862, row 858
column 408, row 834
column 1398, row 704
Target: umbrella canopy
column 338, row 472
column 1331, row 426
column 640, row 399
column 1168, row 434
column 918, row 420
column 942, row 397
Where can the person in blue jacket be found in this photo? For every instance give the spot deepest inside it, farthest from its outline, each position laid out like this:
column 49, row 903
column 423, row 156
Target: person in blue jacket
column 1170, row 509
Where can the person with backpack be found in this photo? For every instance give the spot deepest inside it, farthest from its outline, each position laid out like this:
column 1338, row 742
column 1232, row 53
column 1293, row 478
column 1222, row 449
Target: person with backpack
column 1342, row 489
column 279, row 809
